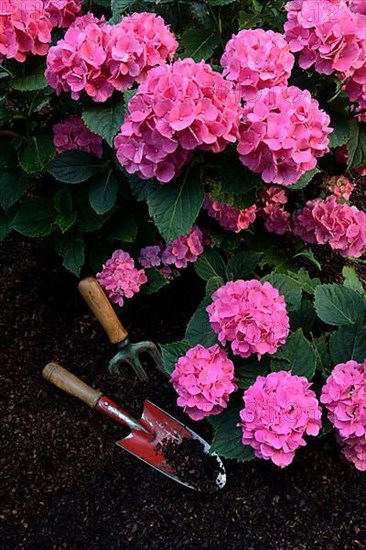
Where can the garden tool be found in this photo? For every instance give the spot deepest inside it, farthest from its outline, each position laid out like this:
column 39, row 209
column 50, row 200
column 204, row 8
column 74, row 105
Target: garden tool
column 128, row 353
column 149, row 436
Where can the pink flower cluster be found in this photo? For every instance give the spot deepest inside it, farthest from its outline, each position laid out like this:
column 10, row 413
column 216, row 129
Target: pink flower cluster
column 120, row 278
column 276, row 218
column 344, row 395
column 184, row 250
column 204, row 379
column 257, row 59
column 72, row 134
column 283, row 134
column 230, row 218
column 250, row 315
column 279, row 410
column 150, row 256
column 330, row 34
column 25, row 26
column 339, row 186
column 98, row 58
column 177, row 109
column 342, row 226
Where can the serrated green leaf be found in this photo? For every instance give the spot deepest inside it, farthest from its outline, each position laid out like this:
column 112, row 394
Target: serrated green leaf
column 323, row 359
column 36, row 156
column 119, row 6
column 348, row 343
column 351, row 279
column 199, row 43
column 214, row 284
column 297, row 356
column 140, row 188
column 74, row 167
column 175, row 207
column 357, row 145
column 304, row 281
column 171, row 353
column 199, row 330
column 247, row 20
column 71, row 248
column 210, row 264
column 28, row 83
column 105, row 119
column 228, row 435
column 248, row 370
column 309, row 255
column 155, row 281
column 103, row 192
column 304, row 317
column 63, row 202
column 338, row 305
column 341, row 130
column 242, row 264
column 305, row 179
column 13, row 185
column 288, row 288
column 35, row 218
column 65, row 222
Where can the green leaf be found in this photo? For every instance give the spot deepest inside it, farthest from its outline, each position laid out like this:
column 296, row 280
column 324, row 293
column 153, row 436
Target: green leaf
column 351, row 279
column 126, row 229
column 8, row 157
column 309, row 255
column 297, row 356
column 304, row 317
column 175, row 207
column 342, row 130
column 74, row 167
column 323, row 359
column 64, row 222
column 213, row 284
column 5, row 224
column 155, row 281
column 103, row 192
column 13, row 185
column 140, row 188
column 338, row 305
column 71, row 248
column 305, row 179
column 105, row 119
column 119, row 6
column 248, row 371
column 35, row 157
column 220, row 2
column 287, row 287
column 228, row 435
column 235, row 177
column 199, row 330
column 29, row 83
column 242, row 264
column 357, row 145
column 348, row 343
column 210, row 264
column 199, row 43
column 303, row 279
column 35, row 218
column 171, row 353
column 62, row 202
column 247, row 20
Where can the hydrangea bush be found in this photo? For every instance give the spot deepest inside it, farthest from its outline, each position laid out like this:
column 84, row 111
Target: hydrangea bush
column 142, row 139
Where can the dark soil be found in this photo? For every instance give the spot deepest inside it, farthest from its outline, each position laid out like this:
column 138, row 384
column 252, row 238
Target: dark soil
column 66, row 485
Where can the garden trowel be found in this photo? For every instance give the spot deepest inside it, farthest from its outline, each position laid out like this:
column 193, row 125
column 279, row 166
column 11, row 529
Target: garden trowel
column 150, row 436
column 129, row 353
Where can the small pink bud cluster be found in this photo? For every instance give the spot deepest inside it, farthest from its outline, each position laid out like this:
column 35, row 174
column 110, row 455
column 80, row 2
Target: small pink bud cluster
column 72, row 134
column 276, row 218
column 279, row 410
column 257, row 59
column 330, row 34
column 98, row 58
column 339, row 186
column 250, row 315
column 204, row 379
column 342, row 226
column 120, row 278
column 177, row 109
column 344, row 395
column 283, row 134
column 230, row 218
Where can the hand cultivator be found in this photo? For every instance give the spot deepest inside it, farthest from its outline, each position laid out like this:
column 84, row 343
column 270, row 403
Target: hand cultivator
column 129, row 353
column 156, row 438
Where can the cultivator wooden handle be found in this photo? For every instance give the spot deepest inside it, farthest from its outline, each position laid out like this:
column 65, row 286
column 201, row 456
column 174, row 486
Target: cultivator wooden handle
column 66, row 381
column 99, row 304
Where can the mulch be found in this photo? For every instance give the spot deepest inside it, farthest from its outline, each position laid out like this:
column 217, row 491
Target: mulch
column 66, row 485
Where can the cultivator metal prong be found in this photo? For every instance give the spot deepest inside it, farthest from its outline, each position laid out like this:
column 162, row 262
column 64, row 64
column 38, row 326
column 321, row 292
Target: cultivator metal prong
column 127, row 356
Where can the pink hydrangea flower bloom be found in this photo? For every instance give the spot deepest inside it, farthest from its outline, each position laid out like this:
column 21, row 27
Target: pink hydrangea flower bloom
column 120, row 278
column 177, row 109
column 251, row 315
column 340, row 225
column 184, row 250
column 354, row 449
column 358, row 6
column 204, row 379
column 282, row 135
column 257, row 59
column 279, row 410
column 138, row 43
column 339, row 186
column 62, row 12
column 72, row 134
column 230, row 218
column 276, row 218
column 273, row 195
column 150, row 256
column 344, row 395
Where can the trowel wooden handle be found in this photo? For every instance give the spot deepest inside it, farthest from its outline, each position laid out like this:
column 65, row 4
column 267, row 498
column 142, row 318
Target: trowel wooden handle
column 99, row 304
column 71, row 384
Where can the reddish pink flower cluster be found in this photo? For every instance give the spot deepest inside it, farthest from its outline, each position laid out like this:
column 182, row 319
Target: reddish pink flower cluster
column 283, row 134
column 97, row 58
column 276, row 218
column 184, row 250
column 120, row 278
column 177, row 109
column 230, row 218
column 204, row 379
column 257, row 59
column 279, row 410
column 342, row 226
column 331, row 36
column 62, row 12
column 72, row 134
column 250, row 315
column 344, row 395
column 339, row 186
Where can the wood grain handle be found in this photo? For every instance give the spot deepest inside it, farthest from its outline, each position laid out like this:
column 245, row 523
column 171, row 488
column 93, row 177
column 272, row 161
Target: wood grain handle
column 71, row 384
column 99, row 304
